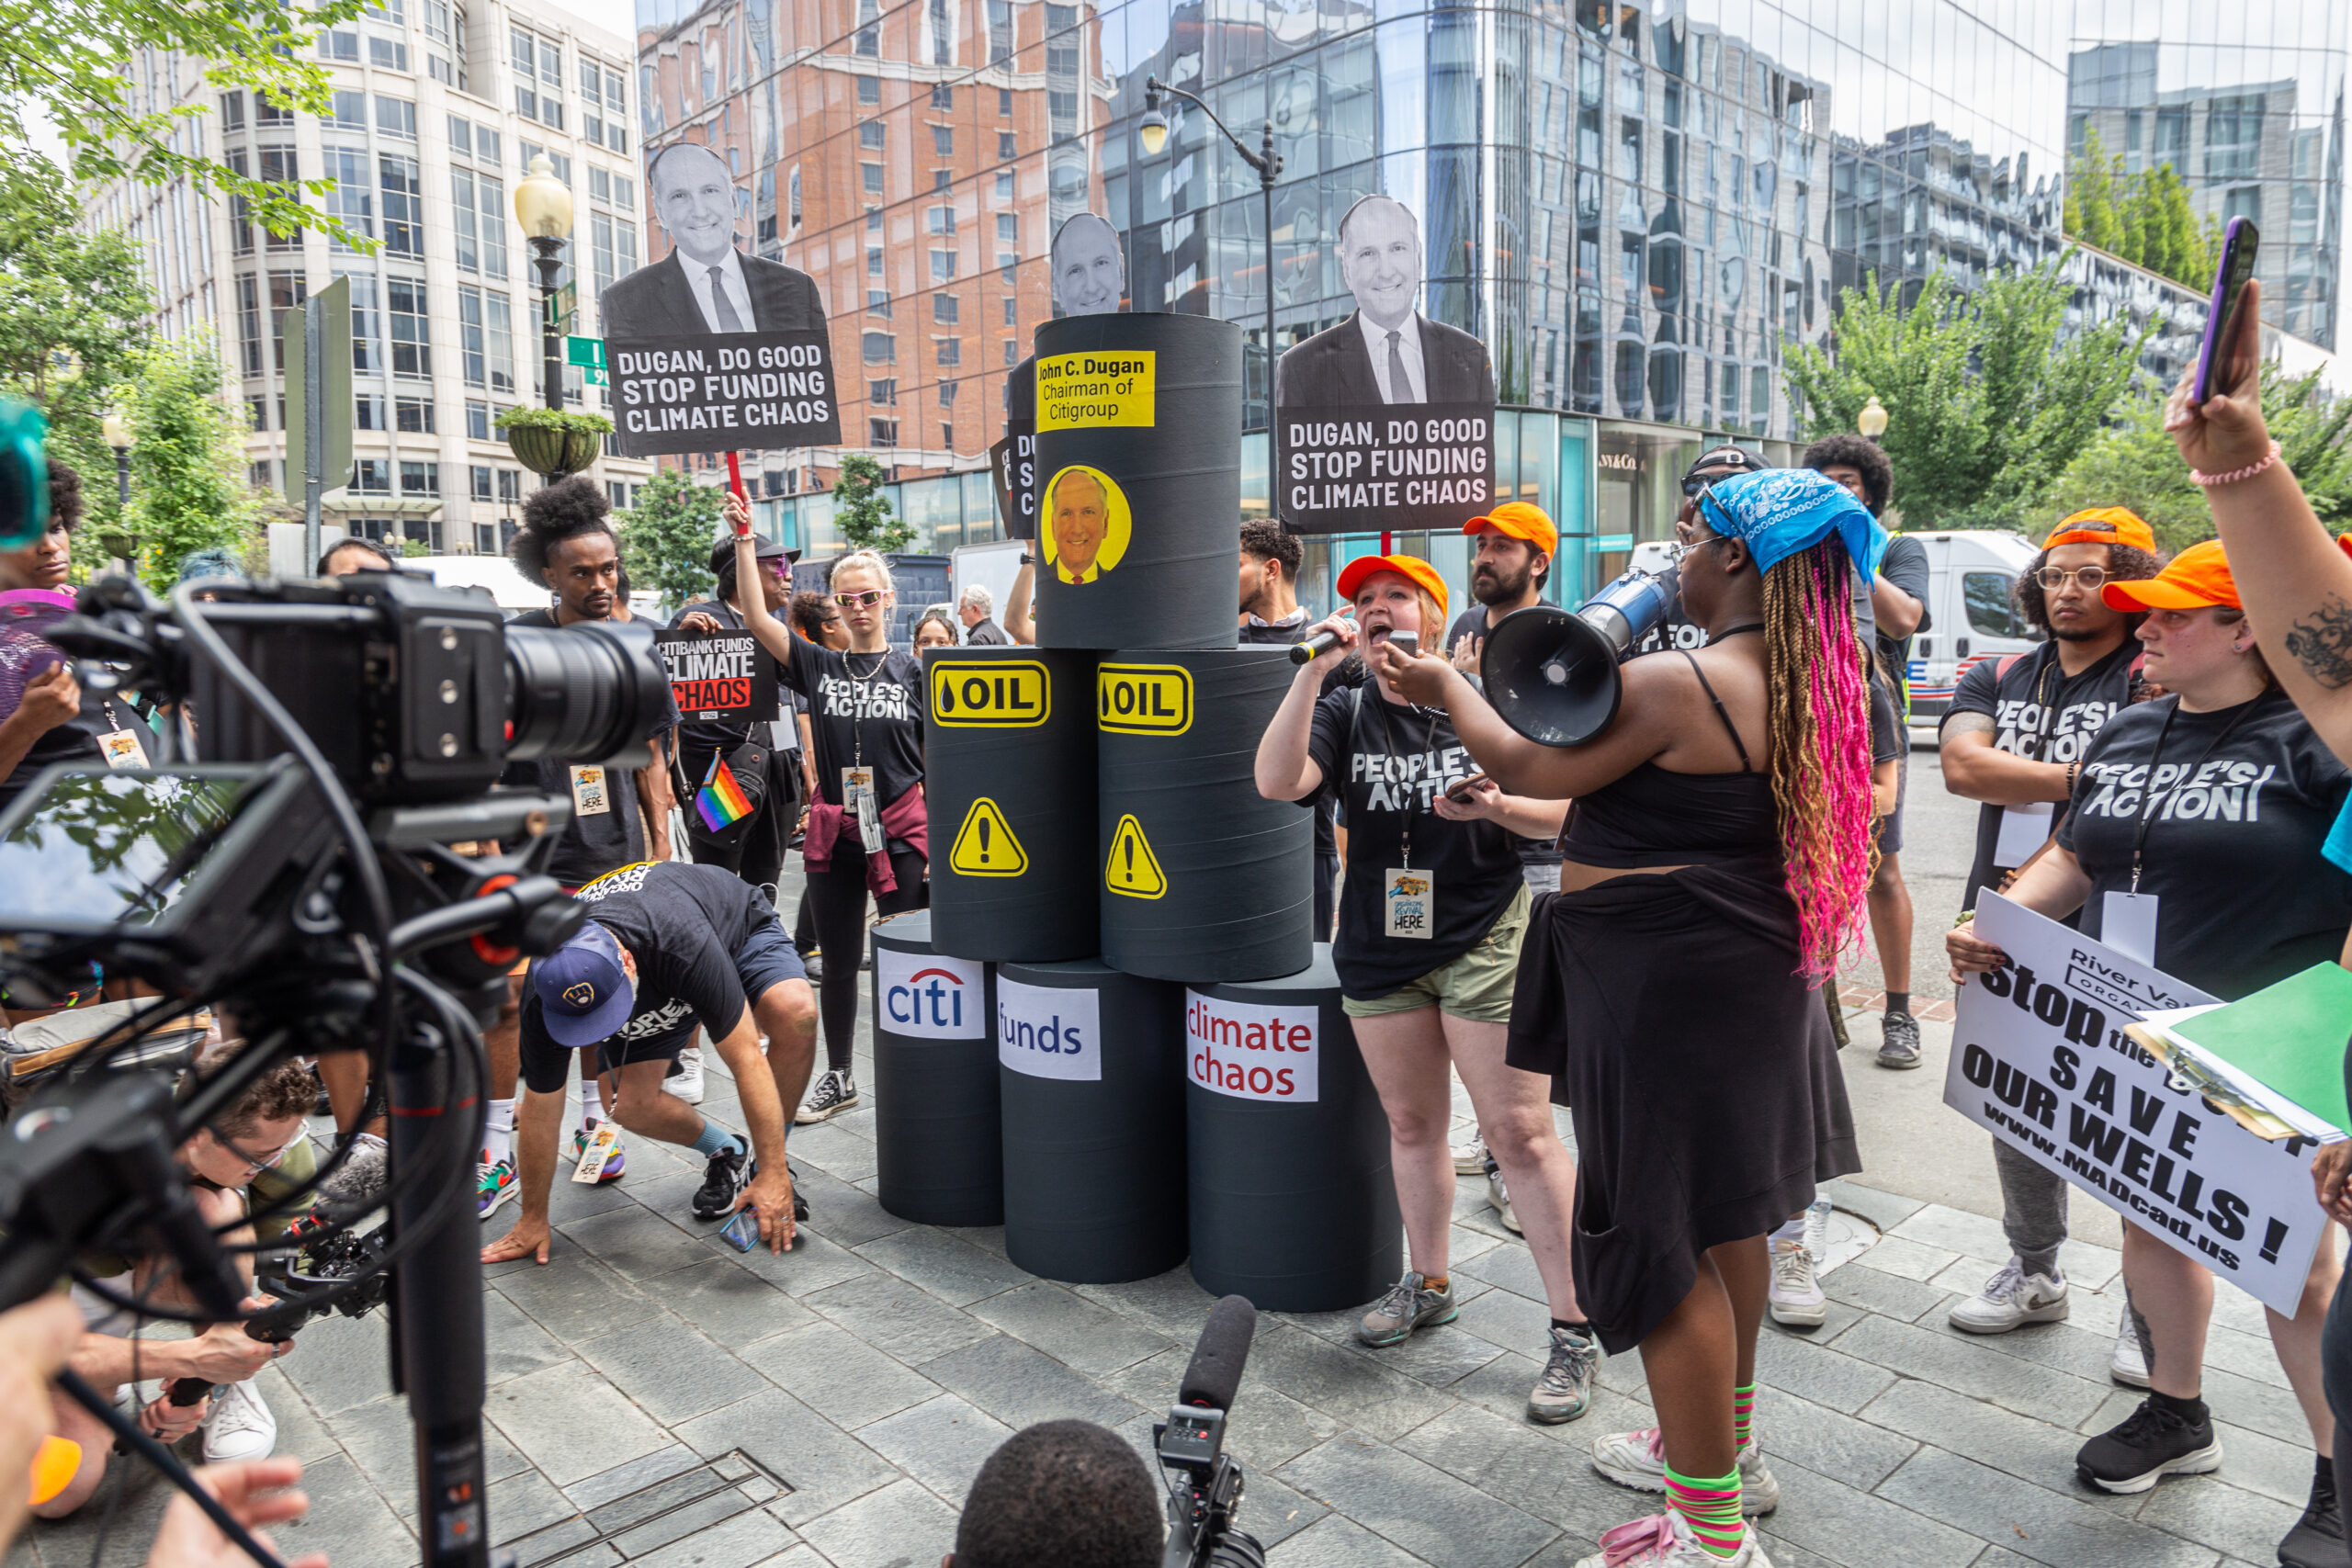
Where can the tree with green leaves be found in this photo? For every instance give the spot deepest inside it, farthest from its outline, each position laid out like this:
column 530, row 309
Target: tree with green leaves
column 187, row 461
column 1986, row 399
column 2134, row 462
column 2091, row 211
column 666, row 537
column 65, row 61
column 861, row 512
column 2146, row 218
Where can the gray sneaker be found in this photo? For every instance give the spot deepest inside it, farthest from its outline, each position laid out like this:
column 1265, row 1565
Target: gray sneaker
column 1898, row 1041
column 1564, row 1392
column 1408, row 1305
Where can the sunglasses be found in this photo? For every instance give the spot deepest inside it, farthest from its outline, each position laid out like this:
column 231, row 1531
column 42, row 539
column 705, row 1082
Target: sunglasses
column 1692, row 489
column 864, row 601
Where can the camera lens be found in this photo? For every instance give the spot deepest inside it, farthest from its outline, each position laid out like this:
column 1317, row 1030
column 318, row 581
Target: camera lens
column 586, row 692
column 1239, row 1549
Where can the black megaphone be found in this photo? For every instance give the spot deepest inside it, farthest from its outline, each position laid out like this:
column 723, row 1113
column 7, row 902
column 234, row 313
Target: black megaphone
column 1552, row 675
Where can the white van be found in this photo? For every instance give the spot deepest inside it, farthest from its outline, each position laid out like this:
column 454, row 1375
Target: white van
column 1972, row 615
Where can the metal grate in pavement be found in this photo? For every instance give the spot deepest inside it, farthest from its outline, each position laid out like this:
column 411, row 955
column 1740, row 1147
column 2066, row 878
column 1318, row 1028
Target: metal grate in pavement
column 681, row 1517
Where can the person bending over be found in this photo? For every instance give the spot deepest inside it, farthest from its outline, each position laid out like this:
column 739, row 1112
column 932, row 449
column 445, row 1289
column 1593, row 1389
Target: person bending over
column 1716, row 872
column 667, row 945
column 1431, row 914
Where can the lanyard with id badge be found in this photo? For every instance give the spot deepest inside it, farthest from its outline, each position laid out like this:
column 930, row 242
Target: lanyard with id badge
column 2127, row 920
column 1407, row 897
column 860, row 798
column 123, row 746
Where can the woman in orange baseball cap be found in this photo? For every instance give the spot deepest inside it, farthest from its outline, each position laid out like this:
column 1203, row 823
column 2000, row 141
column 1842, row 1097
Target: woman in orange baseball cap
column 1432, row 913
column 2191, row 843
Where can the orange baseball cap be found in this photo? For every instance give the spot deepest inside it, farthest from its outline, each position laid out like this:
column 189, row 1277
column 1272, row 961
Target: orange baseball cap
column 2103, row 525
column 1352, row 577
column 2192, row 580
column 1521, row 520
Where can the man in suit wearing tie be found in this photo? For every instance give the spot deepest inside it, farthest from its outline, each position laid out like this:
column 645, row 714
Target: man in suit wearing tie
column 1387, row 352
column 704, row 284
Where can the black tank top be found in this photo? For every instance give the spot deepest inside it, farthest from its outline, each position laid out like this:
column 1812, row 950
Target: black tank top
column 1651, row 817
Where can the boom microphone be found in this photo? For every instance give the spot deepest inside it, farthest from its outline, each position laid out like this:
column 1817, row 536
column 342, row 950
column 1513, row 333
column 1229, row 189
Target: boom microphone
column 1214, row 1375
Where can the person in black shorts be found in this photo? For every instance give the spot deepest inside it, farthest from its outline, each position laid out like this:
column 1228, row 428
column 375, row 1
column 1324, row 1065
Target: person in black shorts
column 667, row 946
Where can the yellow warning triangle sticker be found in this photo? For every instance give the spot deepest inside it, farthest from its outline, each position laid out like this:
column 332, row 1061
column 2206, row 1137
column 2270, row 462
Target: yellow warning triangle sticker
column 1133, row 869
column 985, row 846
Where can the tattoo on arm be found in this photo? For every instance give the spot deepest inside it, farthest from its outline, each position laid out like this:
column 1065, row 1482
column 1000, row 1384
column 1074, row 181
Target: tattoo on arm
column 2321, row 643
column 1966, row 724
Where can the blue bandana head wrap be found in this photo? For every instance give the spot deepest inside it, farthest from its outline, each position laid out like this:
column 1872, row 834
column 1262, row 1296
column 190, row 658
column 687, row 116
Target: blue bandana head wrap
column 1781, row 511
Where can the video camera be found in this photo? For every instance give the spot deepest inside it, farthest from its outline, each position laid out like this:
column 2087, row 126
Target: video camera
column 1204, row 1482
column 246, row 879
column 304, row 1286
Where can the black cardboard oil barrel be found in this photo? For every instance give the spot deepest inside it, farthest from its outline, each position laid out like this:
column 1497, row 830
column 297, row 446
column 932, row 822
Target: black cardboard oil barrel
column 938, row 1140
column 1293, row 1204
column 1138, row 480
column 1093, row 1094
column 1009, row 783
column 1204, row 881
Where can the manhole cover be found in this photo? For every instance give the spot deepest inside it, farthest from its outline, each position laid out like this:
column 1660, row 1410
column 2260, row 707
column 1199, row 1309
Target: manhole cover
column 721, row 1504
column 1850, row 1235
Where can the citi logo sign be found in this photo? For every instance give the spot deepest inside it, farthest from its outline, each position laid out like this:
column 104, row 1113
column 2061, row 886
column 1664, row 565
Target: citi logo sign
column 1048, row 1031
column 925, row 996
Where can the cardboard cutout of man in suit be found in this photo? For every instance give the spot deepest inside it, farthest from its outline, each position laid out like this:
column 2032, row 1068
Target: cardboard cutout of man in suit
column 1387, row 352
column 1089, row 272
column 704, row 284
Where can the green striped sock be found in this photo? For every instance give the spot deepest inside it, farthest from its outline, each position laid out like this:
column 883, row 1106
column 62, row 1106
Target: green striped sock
column 1743, row 1416
column 1711, row 1509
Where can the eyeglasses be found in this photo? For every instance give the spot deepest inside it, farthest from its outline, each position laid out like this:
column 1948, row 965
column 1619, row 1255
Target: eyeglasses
column 864, row 601
column 268, row 1162
column 2090, row 577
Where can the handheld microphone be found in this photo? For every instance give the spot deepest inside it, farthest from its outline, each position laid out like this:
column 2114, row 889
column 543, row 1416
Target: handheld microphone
column 1214, row 1375
column 1321, row 642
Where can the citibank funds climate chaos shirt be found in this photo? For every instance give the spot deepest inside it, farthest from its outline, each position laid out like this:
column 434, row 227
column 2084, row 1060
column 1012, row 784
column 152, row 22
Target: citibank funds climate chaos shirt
column 597, row 842
column 2240, row 801
column 863, row 709
column 683, row 925
column 1388, row 763
column 2040, row 713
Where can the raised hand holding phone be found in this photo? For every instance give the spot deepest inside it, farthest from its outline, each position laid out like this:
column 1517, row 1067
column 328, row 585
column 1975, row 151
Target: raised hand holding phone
column 2215, row 413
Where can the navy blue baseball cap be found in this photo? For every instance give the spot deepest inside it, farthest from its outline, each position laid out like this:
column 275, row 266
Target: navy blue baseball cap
column 584, row 994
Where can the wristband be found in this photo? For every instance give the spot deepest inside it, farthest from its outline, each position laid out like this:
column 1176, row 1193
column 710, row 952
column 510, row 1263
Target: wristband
column 2234, row 475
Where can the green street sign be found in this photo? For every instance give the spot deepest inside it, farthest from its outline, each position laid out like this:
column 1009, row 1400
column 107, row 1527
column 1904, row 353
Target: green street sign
column 563, row 305
column 587, row 352
column 594, row 376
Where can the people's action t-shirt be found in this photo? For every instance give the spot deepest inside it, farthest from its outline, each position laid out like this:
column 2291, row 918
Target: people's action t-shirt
column 1388, row 764
column 864, row 709
column 2241, row 800
column 684, row 924
column 607, row 827
column 2041, row 714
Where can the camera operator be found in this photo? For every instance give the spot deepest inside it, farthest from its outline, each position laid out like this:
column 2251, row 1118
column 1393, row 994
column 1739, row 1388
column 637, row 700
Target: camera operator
column 666, row 945
column 1065, row 1493
column 566, row 545
column 222, row 1160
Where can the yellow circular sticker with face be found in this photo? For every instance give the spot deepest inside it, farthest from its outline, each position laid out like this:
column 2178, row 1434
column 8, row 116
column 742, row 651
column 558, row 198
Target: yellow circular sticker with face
column 1087, row 525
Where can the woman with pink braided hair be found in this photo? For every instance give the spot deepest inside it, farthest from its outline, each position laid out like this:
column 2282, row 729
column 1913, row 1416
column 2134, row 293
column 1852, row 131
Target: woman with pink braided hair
column 1718, row 858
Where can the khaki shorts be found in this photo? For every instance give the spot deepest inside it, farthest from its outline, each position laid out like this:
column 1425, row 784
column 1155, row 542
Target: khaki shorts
column 1476, row 985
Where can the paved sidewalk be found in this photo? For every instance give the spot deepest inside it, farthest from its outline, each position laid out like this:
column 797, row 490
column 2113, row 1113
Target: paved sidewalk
column 876, row 1365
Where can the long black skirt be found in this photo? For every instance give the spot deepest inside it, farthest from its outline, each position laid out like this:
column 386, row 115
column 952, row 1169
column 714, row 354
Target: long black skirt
column 1698, row 1066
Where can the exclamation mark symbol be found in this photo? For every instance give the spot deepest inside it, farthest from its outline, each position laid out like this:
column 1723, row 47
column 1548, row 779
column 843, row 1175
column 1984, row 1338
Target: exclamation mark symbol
column 983, row 826
column 2272, row 1239
column 1129, row 841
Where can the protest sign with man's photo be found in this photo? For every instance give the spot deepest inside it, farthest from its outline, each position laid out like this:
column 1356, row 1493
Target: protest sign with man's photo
column 2041, row 1059
column 1089, row 277
column 711, row 349
column 1385, row 422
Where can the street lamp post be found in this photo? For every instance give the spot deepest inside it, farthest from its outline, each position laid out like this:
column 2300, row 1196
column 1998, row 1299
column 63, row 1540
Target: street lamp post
column 116, row 428
column 1872, row 422
column 1153, row 132
column 543, row 206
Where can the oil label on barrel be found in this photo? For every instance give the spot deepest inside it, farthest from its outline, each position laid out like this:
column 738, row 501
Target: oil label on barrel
column 972, row 694
column 1048, row 1031
column 985, row 846
column 928, row 997
column 1094, row 392
column 1143, row 699
column 1133, row 869
column 1252, row 1051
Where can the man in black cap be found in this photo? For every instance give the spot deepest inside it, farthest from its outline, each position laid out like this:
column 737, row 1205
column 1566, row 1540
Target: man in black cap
column 1712, row 465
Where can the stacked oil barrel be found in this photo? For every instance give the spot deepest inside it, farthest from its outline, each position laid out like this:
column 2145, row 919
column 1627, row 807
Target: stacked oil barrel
column 1121, row 928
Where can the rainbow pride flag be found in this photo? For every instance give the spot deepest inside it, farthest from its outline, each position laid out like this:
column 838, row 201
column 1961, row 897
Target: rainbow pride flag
column 720, row 800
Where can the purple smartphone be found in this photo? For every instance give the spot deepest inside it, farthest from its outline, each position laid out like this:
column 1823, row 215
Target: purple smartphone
column 2239, row 242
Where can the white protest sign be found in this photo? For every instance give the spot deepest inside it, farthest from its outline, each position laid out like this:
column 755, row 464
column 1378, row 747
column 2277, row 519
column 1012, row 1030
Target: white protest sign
column 1048, row 1031
column 1252, row 1051
column 2040, row 1059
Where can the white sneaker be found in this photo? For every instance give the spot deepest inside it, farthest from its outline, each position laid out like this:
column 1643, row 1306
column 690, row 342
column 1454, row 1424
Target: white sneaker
column 1638, row 1459
column 2009, row 1298
column 1498, row 1197
column 686, row 1082
column 1796, row 1299
column 240, row 1426
column 2129, row 1365
column 1664, row 1541
column 1470, row 1158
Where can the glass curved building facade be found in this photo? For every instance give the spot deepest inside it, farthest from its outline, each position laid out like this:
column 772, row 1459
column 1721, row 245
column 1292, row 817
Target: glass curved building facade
column 1638, row 206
